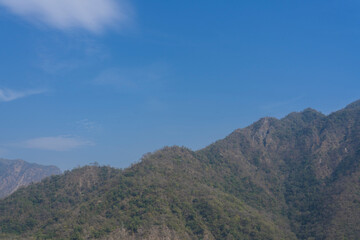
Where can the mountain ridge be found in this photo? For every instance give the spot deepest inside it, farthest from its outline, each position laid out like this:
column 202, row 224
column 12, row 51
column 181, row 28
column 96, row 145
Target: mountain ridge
column 290, row 178
column 18, row 173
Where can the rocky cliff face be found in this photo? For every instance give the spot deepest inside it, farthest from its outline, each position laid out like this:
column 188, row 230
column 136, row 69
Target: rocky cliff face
column 17, row 173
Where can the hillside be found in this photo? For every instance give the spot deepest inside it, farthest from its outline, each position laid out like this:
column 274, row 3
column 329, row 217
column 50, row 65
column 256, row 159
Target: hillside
column 17, row 173
column 293, row 178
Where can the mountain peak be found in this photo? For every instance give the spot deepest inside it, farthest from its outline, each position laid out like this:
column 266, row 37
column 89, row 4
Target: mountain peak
column 307, row 115
column 17, row 173
column 353, row 105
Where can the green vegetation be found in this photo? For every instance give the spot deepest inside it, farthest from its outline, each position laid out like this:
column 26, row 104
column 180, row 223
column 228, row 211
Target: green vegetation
column 294, row 178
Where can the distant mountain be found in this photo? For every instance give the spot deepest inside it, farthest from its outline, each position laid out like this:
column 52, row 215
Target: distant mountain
column 293, row 178
column 17, row 173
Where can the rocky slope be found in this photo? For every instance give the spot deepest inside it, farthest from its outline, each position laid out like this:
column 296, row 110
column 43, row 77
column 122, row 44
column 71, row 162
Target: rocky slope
column 291, row 178
column 17, row 173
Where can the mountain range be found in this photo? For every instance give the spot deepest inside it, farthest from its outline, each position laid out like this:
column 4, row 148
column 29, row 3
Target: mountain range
column 17, row 173
column 292, row 178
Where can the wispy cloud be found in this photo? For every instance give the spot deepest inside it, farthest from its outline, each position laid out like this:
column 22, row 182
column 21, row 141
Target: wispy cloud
column 138, row 77
column 90, row 126
column 58, row 143
column 92, row 15
column 7, row 95
column 69, row 54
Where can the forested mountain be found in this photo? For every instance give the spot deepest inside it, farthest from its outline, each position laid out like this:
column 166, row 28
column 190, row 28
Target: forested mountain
column 293, row 178
column 17, row 173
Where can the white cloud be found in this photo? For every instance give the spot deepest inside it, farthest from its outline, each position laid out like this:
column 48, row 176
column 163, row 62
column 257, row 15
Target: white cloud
column 59, row 143
column 7, row 95
column 92, row 15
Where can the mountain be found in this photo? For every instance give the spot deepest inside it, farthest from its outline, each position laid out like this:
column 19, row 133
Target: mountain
column 292, row 178
column 17, row 173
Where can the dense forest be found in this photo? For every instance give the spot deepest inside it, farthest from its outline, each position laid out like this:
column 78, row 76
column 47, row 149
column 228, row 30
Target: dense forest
column 291, row 178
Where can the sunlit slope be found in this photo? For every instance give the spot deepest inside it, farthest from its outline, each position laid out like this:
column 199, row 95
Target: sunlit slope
column 294, row 178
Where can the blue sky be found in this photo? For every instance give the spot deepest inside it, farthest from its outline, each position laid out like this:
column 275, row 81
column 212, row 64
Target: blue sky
column 107, row 81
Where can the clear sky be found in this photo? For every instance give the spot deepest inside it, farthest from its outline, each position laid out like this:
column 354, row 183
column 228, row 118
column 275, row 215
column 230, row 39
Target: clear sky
column 109, row 80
